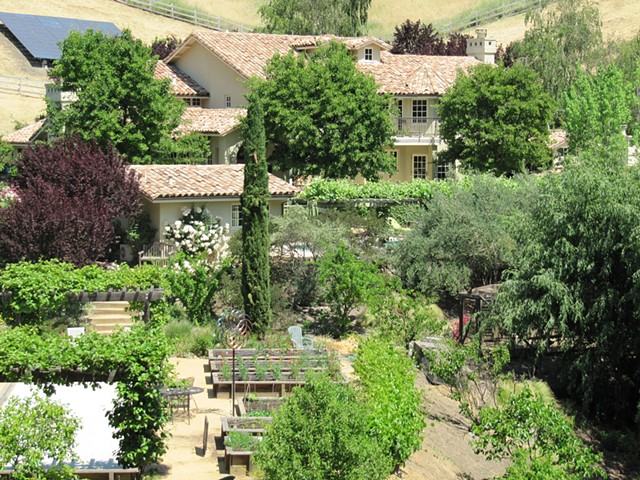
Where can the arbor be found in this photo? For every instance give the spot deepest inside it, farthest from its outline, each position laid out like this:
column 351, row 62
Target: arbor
column 496, row 119
column 345, row 18
column 321, row 433
column 576, row 279
column 417, row 38
column 35, row 429
column 70, row 192
column 325, row 117
column 255, row 219
column 561, row 41
column 119, row 99
column 597, row 107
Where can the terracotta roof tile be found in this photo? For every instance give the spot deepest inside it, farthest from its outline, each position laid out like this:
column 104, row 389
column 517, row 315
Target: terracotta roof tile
column 184, row 181
column 25, row 134
column 416, row 74
column 248, row 54
column 218, row 121
column 181, row 83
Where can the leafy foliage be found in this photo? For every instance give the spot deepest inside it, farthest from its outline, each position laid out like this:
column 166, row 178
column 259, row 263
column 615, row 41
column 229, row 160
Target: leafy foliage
column 596, row 109
column 139, row 360
column 39, row 290
column 315, row 17
column 462, row 240
column 417, row 38
column 191, row 149
column 538, row 439
column 396, row 418
column 256, row 290
column 197, row 233
column 120, row 102
column 306, row 100
column 576, row 280
column 6, row 154
column 348, row 283
column 496, row 119
column 324, row 190
column 321, row 433
column 35, row 429
column 70, row 194
column 405, row 316
column 162, row 47
column 559, row 42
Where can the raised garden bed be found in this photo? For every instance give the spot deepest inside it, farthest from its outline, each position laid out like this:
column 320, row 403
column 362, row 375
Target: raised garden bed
column 247, row 406
column 251, row 384
column 238, row 451
column 251, row 425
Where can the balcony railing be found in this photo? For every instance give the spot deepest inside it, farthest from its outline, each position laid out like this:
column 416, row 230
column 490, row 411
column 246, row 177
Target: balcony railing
column 416, row 126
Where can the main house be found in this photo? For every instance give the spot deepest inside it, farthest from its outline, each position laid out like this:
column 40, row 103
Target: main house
column 209, row 71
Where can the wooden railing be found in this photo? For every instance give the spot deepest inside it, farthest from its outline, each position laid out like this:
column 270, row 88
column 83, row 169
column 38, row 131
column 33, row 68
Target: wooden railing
column 508, row 8
column 190, row 15
column 22, row 86
column 158, row 253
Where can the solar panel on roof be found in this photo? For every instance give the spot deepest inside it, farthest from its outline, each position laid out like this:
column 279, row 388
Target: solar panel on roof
column 41, row 35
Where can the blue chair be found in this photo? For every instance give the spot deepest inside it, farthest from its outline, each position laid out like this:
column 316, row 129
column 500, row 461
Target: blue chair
column 299, row 342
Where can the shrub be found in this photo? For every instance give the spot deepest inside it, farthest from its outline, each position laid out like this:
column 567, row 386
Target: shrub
column 321, row 433
column 70, row 194
column 348, row 283
column 387, row 377
column 197, row 233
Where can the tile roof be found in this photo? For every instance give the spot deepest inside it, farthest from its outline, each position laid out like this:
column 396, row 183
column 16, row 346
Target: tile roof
column 184, row 181
column 181, row 83
column 25, row 134
column 416, row 74
column 219, row 121
column 248, row 54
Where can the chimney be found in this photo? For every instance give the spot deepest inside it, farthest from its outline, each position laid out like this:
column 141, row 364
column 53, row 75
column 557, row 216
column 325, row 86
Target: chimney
column 481, row 47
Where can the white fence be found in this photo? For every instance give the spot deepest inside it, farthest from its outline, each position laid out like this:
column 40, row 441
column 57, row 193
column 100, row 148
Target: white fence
column 189, row 15
column 481, row 17
column 22, row 86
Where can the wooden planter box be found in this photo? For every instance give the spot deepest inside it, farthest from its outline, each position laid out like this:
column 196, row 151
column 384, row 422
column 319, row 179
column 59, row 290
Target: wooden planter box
column 222, row 388
column 246, row 405
column 251, row 425
column 237, row 462
column 285, row 363
column 219, row 353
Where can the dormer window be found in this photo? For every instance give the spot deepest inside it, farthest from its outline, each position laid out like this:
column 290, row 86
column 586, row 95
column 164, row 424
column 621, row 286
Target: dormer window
column 368, row 54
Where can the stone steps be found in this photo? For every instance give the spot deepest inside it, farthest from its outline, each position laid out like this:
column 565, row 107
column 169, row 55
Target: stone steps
column 105, row 317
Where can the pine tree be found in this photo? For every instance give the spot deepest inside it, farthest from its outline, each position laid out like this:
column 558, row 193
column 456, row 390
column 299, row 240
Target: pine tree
column 255, row 219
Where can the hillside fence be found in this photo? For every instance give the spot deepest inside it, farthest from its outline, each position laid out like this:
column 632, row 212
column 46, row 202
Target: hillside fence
column 190, row 15
column 481, row 17
column 22, row 86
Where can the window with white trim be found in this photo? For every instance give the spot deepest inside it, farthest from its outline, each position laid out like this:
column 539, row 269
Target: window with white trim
column 193, row 102
column 419, row 111
column 420, row 166
column 227, row 101
column 236, row 216
column 368, row 54
column 442, row 170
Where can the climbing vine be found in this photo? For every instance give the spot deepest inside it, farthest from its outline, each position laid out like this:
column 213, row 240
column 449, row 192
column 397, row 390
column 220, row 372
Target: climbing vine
column 137, row 360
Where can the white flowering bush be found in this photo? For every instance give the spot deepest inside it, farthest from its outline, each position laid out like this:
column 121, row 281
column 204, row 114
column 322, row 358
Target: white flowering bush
column 8, row 195
column 197, row 233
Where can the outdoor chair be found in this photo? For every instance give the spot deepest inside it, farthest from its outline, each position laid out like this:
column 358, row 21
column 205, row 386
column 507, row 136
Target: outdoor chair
column 299, row 342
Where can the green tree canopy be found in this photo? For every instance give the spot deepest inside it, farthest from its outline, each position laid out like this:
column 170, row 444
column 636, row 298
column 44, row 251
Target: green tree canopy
column 325, row 117
column 496, row 119
column 576, row 278
column 345, row 18
column 321, row 433
column 119, row 99
column 561, row 40
column 597, row 108
column 35, row 429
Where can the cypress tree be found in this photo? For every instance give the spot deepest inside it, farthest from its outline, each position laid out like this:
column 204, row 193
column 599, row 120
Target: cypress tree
column 255, row 219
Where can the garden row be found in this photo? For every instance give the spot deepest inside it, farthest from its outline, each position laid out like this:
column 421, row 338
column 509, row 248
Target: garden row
column 273, row 372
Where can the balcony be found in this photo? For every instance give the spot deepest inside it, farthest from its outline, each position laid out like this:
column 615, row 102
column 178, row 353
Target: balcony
column 416, row 130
